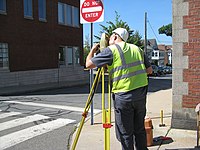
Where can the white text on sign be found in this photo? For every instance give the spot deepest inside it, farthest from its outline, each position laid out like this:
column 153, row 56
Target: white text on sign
column 91, row 15
column 93, row 3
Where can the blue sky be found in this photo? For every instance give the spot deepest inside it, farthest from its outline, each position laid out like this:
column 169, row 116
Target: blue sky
column 159, row 13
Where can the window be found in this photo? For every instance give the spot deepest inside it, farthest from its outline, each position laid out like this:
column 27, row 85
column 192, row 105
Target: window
column 161, row 54
column 3, row 6
column 156, row 54
column 68, row 15
column 76, row 16
column 61, row 15
column 76, row 55
column 4, row 55
column 70, row 55
column 28, row 10
column 61, row 56
column 42, row 9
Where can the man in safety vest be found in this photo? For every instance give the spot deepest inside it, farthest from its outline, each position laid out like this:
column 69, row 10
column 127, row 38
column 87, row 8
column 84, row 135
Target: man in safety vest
column 128, row 67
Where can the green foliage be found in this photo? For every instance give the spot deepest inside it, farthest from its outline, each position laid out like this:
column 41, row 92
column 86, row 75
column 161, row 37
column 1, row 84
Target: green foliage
column 167, row 30
column 86, row 47
column 134, row 37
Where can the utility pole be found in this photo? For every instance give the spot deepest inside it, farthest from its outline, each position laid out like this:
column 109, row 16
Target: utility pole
column 91, row 74
column 145, row 34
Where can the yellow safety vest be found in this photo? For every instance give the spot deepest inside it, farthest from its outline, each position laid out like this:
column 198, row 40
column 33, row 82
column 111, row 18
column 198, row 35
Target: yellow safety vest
column 127, row 71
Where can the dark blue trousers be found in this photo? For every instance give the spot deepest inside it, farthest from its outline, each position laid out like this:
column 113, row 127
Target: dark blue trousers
column 129, row 123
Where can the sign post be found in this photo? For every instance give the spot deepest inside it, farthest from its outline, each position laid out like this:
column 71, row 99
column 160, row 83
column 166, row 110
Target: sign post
column 91, row 11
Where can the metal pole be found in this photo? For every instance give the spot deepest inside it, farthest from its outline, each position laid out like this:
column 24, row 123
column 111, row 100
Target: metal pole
column 91, row 73
column 145, row 34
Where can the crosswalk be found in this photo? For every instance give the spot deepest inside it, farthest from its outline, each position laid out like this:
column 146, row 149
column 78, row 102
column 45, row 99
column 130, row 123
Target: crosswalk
column 13, row 120
column 27, row 133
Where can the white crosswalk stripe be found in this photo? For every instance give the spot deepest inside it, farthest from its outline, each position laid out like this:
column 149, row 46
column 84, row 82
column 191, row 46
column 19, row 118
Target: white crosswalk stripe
column 8, row 114
column 25, row 134
column 16, row 137
column 21, row 121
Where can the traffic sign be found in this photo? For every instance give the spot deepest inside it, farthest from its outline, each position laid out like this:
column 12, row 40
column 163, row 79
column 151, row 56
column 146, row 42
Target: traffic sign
column 91, row 11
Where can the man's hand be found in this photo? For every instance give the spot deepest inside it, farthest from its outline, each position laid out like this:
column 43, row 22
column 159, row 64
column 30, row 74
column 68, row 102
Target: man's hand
column 95, row 48
column 149, row 70
column 89, row 63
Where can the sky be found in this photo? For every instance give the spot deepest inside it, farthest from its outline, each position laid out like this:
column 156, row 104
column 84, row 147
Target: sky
column 159, row 13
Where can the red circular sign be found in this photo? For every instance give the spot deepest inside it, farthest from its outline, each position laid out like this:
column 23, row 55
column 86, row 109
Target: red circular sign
column 91, row 10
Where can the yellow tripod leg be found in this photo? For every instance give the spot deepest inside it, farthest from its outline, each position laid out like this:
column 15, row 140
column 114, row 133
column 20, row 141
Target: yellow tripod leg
column 106, row 113
column 87, row 107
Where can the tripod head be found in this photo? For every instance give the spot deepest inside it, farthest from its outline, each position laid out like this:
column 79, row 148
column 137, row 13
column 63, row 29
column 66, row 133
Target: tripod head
column 104, row 42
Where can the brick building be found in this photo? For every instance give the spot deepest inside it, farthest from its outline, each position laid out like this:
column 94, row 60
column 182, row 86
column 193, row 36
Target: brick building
column 40, row 42
column 186, row 62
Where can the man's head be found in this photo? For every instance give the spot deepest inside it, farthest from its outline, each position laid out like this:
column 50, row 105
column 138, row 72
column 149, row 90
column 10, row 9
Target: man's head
column 119, row 34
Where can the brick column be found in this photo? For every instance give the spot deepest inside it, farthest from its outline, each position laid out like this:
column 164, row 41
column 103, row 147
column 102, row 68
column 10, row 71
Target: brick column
column 186, row 62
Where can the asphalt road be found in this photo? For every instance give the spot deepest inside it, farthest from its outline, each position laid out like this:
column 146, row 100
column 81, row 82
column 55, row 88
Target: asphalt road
column 45, row 120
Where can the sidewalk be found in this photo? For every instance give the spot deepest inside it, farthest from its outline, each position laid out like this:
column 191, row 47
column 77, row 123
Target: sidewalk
column 92, row 136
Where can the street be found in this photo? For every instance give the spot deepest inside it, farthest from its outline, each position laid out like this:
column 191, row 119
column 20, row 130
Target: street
column 46, row 120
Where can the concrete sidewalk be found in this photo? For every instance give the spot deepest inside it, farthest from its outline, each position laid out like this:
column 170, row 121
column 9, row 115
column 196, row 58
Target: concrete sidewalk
column 92, row 136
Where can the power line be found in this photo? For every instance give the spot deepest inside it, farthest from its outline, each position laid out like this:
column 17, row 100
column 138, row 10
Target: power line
column 153, row 31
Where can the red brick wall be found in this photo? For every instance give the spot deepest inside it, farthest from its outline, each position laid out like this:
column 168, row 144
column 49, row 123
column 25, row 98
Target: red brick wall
column 34, row 44
column 192, row 50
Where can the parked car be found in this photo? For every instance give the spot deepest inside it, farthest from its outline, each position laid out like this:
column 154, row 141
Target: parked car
column 168, row 69
column 161, row 70
column 155, row 70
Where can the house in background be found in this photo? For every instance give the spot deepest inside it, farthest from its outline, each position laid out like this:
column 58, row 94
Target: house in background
column 165, row 55
column 159, row 55
column 152, row 48
column 41, row 43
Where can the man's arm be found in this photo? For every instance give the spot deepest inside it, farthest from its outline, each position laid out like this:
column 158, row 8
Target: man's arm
column 89, row 64
column 147, row 64
column 101, row 59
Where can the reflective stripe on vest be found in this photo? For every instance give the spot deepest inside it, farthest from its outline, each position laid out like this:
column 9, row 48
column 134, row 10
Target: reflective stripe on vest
column 136, row 74
column 126, row 66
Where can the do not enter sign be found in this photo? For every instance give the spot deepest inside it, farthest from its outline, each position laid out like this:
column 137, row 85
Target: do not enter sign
column 91, row 11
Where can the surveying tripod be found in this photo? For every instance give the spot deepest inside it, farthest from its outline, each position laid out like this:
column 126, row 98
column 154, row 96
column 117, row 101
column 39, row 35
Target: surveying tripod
column 106, row 112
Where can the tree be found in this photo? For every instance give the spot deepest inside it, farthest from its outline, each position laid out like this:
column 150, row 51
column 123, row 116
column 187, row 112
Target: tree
column 167, row 30
column 86, row 47
column 134, row 37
